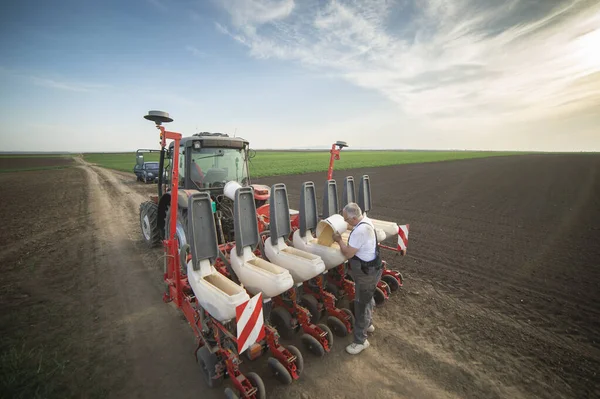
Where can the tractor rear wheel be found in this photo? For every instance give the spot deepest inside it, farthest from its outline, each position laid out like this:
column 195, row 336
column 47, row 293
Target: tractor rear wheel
column 180, row 231
column 148, row 223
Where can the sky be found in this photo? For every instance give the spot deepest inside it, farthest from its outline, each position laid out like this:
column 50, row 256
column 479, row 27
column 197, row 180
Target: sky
column 79, row 75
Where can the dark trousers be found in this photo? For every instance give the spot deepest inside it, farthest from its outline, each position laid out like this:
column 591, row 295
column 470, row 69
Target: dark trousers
column 364, row 286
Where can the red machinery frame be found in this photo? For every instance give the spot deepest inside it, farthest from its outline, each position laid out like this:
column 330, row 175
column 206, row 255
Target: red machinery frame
column 289, row 299
column 335, row 156
column 326, row 299
column 302, row 315
column 337, row 276
column 180, row 293
column 176, row 284
column 336, row 148
column 285, row 357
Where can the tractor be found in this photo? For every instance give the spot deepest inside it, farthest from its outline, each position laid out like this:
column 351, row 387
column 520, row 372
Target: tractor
column 216, row 227
column 207, row 162
column 224, row 315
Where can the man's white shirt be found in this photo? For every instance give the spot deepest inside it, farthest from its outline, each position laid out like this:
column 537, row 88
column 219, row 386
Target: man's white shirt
column 362, row 237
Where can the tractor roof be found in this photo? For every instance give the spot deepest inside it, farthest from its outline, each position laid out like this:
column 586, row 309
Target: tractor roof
column 212, row 140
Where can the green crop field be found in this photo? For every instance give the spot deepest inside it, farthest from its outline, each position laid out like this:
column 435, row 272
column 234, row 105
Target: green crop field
column 120, row 161
column 272, row 163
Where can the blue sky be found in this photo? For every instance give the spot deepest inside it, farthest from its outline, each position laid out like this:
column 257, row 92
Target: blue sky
column 78, row 75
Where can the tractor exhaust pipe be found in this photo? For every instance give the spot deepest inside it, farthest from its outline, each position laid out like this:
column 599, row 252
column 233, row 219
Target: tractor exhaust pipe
column 161, row 172
column 220, row 226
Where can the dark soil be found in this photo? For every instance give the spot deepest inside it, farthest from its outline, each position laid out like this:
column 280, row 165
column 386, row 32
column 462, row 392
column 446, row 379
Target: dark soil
column 503, row 272
column 501, row 295
column 9, row 163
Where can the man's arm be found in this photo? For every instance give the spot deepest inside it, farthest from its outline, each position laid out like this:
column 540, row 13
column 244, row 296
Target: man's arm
column 347, row 250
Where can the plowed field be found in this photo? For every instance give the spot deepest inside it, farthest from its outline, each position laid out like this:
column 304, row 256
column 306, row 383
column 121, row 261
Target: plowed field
column 501, row 296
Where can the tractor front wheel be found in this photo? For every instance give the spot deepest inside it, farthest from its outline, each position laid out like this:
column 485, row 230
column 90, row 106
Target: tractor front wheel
column 148, row 223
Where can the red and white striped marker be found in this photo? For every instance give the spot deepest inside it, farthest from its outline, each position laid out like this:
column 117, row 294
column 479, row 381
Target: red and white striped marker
column 250, row 322
column 403, row 237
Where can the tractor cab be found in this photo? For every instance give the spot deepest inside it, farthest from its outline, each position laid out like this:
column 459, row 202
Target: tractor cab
column 207, row 161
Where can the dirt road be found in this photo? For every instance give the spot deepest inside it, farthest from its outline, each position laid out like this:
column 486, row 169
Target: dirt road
column 501, row 296
column 146, row 336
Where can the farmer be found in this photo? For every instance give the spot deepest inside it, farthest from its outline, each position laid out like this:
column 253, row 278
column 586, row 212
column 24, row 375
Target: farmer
column 365, row 267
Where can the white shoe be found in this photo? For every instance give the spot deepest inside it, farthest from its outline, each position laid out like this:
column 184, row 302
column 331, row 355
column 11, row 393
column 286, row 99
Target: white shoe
column 355, row 348
column 371, row 328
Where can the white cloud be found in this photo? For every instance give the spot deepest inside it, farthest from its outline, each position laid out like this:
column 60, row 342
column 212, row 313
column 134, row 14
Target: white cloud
column 248, row 13
column 450, row 64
